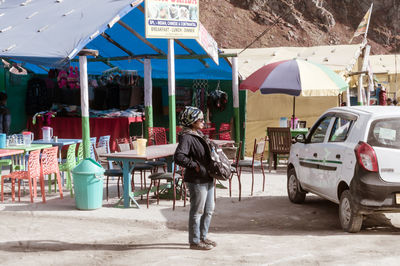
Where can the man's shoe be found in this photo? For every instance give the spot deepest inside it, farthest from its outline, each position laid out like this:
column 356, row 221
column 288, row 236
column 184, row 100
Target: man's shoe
column 209, row 242
column 201, row 246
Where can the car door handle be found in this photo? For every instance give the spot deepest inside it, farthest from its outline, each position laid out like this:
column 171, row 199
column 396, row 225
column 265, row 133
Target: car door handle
column 315, row 155
column 337, row 156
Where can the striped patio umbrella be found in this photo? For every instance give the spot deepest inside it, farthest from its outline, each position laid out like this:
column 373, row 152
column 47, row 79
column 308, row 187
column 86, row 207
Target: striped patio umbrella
column 295, row 77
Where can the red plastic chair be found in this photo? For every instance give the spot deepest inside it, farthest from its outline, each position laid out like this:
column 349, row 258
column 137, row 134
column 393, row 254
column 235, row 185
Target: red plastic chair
column 224, row 131
column 49, row 166
column 157, row 136
column 30, row 175
column 123, row 145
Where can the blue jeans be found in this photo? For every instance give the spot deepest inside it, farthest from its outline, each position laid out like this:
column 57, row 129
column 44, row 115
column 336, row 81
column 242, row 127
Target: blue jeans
column 201, row 210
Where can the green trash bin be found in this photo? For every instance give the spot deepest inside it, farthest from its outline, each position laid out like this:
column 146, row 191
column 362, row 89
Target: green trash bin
column 88, row 184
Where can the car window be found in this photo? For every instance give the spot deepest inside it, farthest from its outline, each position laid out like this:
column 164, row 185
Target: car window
column 319, row 131
column 385, row 133
column 340, row 129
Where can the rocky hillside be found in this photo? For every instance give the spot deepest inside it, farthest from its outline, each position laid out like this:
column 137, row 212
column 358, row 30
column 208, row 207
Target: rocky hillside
column 237, row 23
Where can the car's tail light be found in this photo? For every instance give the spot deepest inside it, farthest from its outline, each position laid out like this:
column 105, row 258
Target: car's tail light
column 366, row 157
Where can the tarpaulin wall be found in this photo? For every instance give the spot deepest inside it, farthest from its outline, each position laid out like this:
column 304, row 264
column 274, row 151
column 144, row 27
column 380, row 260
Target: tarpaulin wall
column 15, row 87
column 265, row 111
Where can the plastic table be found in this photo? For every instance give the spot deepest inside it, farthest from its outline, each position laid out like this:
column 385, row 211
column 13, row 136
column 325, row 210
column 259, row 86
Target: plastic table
column 128, row 160
column 71, row 127
column 26, row 149
column 60, row 143
column 222, row 142
column 298, row 131
column 6, row 152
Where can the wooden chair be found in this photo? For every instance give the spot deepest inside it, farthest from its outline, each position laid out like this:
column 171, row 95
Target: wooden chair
column 256, row 161
column 279, row 142
column 49, row 166
column 31, row 174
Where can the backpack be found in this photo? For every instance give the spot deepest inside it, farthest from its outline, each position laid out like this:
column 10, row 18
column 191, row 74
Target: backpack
column 220, row 166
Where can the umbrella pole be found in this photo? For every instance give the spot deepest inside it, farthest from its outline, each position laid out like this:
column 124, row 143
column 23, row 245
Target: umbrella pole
column 294, row 107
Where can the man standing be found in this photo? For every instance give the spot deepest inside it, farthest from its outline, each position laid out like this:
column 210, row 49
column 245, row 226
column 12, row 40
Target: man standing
column 5, row 117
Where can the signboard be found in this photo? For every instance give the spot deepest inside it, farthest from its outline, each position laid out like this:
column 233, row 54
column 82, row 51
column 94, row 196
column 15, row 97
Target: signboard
column 208, row 43
column 169, row 19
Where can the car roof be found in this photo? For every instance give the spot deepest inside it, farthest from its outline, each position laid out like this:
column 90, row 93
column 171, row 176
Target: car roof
column 372, row 111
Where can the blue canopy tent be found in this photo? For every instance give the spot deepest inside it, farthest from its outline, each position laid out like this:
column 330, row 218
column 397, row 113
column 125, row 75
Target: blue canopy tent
column 50, row 33
column 47, row 34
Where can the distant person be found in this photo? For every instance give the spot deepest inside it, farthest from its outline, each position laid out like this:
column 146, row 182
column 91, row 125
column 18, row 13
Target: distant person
column 5, row 117
column 389, row 102
column 193, row 154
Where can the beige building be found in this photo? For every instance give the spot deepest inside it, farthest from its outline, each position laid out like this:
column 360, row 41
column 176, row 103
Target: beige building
column 387, row 69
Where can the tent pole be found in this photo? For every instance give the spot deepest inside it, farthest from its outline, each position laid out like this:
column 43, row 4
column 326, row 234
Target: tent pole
column 83, row 76
column 348, row 96
column 84, row 106
column 171, row 91
column 148, row 92
column 294, row 108
column 235, row 93
column 361, row 91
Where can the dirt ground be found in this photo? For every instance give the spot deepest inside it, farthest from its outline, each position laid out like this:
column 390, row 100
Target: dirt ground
column 264, row 229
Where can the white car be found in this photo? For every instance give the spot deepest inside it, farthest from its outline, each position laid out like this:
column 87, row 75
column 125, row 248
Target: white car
column 351, row 156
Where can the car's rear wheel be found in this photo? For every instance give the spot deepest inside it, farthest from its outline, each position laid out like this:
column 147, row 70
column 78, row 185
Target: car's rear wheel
column 293, row 188
column 350, row 220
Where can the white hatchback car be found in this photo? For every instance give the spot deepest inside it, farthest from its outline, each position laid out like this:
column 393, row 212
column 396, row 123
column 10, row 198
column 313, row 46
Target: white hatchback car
column 350, row 156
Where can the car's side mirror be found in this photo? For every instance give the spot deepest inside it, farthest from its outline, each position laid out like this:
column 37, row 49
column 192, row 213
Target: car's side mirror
column 300, row 138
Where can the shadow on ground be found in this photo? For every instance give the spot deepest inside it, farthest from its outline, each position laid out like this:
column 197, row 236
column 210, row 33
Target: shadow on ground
column 54, row 246
column 275, row 215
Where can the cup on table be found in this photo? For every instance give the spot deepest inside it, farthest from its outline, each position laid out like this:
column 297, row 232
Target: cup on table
column 134, row 143
column 141, row 146
column 47, row 133
column 55, row 138
column 3, row 140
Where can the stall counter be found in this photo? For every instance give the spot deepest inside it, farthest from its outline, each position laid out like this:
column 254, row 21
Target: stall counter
column 71, row 127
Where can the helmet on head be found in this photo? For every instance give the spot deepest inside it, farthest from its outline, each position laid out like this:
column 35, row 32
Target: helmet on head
column 190, row 115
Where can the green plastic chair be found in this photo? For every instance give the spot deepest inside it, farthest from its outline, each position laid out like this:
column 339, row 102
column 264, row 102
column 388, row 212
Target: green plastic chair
column 68, row 165
column 4, row 162
column 79, row 156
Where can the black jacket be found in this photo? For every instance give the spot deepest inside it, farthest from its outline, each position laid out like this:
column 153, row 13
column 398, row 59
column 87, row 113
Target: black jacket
column 193, row 150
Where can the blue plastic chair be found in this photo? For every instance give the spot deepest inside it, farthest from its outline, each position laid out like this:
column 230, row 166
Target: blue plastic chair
column 93, row 144
column 104, row 141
